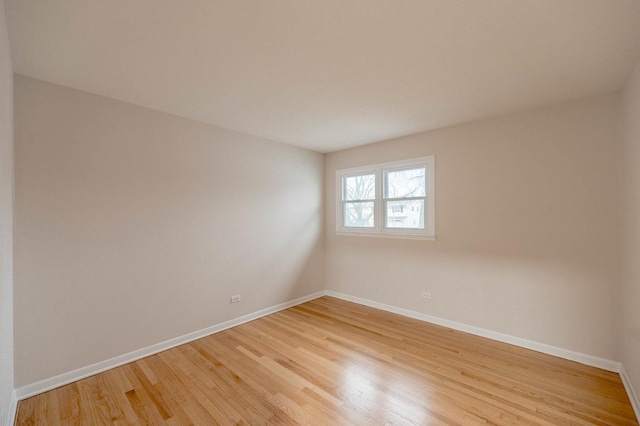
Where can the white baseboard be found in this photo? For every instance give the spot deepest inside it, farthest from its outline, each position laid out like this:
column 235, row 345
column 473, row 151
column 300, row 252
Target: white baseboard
column 90, row 370
column 633, row 396
column 593, row 361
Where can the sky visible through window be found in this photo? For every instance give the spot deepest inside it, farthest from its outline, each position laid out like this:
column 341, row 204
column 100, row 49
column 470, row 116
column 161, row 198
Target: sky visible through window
column 404, row 192
column 359, row 213
column 409, row 184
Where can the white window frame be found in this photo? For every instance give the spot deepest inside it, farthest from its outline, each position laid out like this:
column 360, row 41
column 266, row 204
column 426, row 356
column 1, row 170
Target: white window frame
column 379, row 212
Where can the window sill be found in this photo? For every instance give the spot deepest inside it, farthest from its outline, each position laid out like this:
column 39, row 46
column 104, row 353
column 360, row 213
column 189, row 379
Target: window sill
column 387, row 235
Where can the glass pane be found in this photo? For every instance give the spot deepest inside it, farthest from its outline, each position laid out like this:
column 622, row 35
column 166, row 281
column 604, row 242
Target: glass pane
column 405, row 214
column 406, row 183
column 359, row 215
column 361, row 187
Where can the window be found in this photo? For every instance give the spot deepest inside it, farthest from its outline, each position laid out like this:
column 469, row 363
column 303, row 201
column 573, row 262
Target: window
column 387, row 200
column 358, row 195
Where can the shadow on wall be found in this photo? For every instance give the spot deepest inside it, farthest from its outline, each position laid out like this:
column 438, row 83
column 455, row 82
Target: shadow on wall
column 563, row 302
column 303, row 271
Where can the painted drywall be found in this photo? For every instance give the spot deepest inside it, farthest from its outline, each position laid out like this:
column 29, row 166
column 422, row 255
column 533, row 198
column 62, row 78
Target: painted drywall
column 134, row 226
column 6, row 222
column 631, row 229
column 527, row 237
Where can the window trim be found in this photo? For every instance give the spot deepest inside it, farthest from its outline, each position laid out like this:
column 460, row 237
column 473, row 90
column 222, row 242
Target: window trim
column 378, row 229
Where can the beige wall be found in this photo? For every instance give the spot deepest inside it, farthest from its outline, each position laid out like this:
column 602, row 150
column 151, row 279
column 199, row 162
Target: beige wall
column 6, row 222
column 527, row 236
column 134, row 226
column 631, row 229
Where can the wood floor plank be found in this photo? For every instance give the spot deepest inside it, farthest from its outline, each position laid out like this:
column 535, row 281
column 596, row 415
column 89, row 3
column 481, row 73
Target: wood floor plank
column 329, row 361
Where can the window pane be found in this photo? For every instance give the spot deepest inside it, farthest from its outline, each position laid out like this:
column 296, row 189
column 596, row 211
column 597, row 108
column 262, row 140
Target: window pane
column 405, row 214
column 358, row 215
column 405, row 183
column 361, row 187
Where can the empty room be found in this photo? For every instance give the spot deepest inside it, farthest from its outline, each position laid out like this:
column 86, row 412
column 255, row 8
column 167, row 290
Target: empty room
column 329, row 212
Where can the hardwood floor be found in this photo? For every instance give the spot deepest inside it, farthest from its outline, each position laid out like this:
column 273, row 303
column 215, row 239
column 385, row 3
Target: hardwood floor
column 333, row 362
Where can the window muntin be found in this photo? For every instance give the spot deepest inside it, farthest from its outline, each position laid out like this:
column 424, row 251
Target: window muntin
column 391, row 199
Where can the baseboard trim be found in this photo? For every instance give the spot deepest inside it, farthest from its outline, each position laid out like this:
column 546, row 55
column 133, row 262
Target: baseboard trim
column 593, row 361
column 99, row 367
column 93, row 369
column 633, row 396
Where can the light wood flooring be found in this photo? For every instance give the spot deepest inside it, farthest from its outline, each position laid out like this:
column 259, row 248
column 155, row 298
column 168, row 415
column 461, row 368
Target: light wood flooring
column 333, row 362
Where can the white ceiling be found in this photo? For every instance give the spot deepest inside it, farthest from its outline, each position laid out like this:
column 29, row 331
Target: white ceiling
column 329, row 74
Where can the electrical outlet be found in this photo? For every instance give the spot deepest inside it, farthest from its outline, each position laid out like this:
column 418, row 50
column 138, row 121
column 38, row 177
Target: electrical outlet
column 235, row 299
column 426, row 295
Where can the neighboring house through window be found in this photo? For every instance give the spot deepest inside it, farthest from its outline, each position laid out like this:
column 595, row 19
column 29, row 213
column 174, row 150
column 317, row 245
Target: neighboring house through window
column 390, row 200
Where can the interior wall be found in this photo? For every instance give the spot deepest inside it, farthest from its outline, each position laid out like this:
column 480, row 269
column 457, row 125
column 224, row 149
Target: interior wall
column 631, row 229
column 6, row 222
column 527, row 240
column 134, row 226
